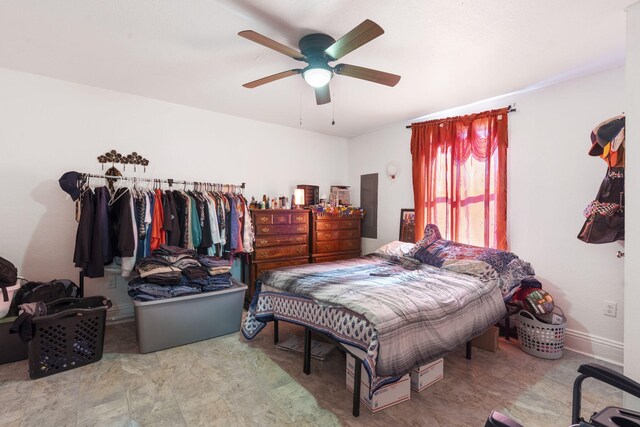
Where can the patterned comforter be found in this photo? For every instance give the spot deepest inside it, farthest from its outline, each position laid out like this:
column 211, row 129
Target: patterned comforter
column 400, row 312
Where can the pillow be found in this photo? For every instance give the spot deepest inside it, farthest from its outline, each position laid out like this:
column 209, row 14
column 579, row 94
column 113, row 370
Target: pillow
column 440, row 250
column 396, row 248
column 431, row 234
column 436, row 251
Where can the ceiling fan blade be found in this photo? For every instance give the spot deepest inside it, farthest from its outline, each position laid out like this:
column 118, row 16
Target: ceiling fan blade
column 355, row 38
column 271, row 44
column 374, row 76
column 271, row 78
column 323, row 96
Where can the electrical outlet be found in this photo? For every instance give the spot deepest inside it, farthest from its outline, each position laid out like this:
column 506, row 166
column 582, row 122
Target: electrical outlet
column 113, row 281
column 610, row 308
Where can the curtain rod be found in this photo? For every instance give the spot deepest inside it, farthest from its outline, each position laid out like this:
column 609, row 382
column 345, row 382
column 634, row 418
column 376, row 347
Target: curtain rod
column 169, row 181
column 510, row 109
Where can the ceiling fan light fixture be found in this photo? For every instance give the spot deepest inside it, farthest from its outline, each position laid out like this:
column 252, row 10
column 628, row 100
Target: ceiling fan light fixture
column 317, row 77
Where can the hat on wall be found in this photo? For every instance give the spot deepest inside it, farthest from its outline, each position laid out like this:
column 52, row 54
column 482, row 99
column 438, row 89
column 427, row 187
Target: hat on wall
column 69, row 183
column 606, row 132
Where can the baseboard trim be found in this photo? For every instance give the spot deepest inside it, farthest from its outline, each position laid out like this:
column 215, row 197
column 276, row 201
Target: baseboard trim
column 591, row 345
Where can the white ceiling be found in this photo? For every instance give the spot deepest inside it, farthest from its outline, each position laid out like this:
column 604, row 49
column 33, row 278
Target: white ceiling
column 449, row 53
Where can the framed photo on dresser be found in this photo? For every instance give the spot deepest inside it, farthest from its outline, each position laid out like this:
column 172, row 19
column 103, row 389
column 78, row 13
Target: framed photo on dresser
column 407, row 225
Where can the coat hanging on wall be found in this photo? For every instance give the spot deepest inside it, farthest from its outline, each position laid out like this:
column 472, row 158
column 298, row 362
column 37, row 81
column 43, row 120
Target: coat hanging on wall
column 605, row 215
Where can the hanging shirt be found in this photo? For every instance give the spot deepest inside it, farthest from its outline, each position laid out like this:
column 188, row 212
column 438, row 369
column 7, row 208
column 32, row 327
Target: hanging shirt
column 196, row 228
column 129, row 262
column 151, row 201
column 240, row 213
column 232, row 222
column 157, row 222
column 247, row 229
column 207, row 239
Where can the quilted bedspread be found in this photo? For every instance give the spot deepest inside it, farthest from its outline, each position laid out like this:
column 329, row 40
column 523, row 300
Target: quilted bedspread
column 401, row 312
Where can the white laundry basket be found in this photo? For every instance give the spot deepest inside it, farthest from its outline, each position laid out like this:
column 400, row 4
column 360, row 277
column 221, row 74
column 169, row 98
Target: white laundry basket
column 540, row 339
column 5, row 305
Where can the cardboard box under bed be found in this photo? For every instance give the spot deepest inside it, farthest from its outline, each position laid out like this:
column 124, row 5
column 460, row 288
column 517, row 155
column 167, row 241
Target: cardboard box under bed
column 177, row 321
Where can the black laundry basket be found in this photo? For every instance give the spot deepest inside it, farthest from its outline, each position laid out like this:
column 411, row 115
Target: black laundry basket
column 69, row 336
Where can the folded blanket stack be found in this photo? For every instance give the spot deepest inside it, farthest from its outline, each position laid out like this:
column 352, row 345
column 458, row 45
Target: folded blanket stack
column 172, row 271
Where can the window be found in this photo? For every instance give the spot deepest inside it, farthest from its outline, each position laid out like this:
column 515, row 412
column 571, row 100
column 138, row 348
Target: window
column 459, row 177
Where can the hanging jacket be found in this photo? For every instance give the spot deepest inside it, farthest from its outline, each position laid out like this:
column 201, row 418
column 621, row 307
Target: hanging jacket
column 171, row 221
column 100, row 243
column 84, row 234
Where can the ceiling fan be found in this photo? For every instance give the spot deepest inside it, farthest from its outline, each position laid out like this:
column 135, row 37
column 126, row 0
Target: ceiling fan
column 318, row 50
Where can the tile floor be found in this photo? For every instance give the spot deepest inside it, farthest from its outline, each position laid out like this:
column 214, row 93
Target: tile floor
column 228, row 381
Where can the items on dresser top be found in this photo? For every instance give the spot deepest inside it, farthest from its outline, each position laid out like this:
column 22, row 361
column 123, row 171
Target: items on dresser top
column 281, row 239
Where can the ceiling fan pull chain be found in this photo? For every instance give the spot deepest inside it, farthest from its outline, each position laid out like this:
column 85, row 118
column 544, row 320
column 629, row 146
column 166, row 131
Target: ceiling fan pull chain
column 333, row 107
column 301, row 102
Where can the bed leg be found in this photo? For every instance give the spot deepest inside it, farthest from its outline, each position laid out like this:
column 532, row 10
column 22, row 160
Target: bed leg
column 507, row 328
column 357, row 378
column 275, row 331
column 468, row 355
column 307, row 351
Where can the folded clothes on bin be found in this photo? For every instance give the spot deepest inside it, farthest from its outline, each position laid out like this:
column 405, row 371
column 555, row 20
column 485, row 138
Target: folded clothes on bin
column 172, row 271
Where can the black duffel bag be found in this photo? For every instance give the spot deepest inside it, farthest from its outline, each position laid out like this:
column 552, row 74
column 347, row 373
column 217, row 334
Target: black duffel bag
column 8, row 277
column 45, row 292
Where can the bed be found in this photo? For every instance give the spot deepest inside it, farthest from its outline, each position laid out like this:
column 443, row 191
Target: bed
column 393, row 313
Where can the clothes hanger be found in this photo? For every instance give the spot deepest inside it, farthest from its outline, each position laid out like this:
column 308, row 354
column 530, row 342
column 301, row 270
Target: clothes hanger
column 118, row 186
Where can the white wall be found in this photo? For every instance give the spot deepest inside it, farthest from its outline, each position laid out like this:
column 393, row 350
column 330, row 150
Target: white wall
column 551, row 180
column 48, row 127
column 632, row 222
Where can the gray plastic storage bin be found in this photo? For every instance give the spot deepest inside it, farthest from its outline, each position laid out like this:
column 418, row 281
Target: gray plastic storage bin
column 177, row 321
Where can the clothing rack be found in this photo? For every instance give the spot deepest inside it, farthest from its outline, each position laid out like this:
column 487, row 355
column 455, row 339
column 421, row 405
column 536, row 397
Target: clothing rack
column 170, row 181
column 510, row 109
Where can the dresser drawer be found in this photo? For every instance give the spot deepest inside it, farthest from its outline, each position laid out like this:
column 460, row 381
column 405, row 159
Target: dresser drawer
column 327, row 235
column 326, row 247
column 290, row 239
column 264, row 266
column 349, row 245
column 349, row 223
column 326, row 225
column 300, row 218
column 262, row 218
column 281, row 218
column 281, row 229
column 350, row 234
column 281, row 252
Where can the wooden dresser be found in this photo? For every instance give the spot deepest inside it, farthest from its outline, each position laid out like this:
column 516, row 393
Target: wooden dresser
column 281, row 239
column 335, row 237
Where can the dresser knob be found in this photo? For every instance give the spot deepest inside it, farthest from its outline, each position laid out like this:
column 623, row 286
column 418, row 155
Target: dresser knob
column 327, row 235
column 264, row 219
column 264, row 242
column 266, row 229
column 301, row 229
column 299, row 250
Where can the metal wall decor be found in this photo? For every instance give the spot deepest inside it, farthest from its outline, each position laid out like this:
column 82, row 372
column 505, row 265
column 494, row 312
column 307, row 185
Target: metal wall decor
column 130, row 159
